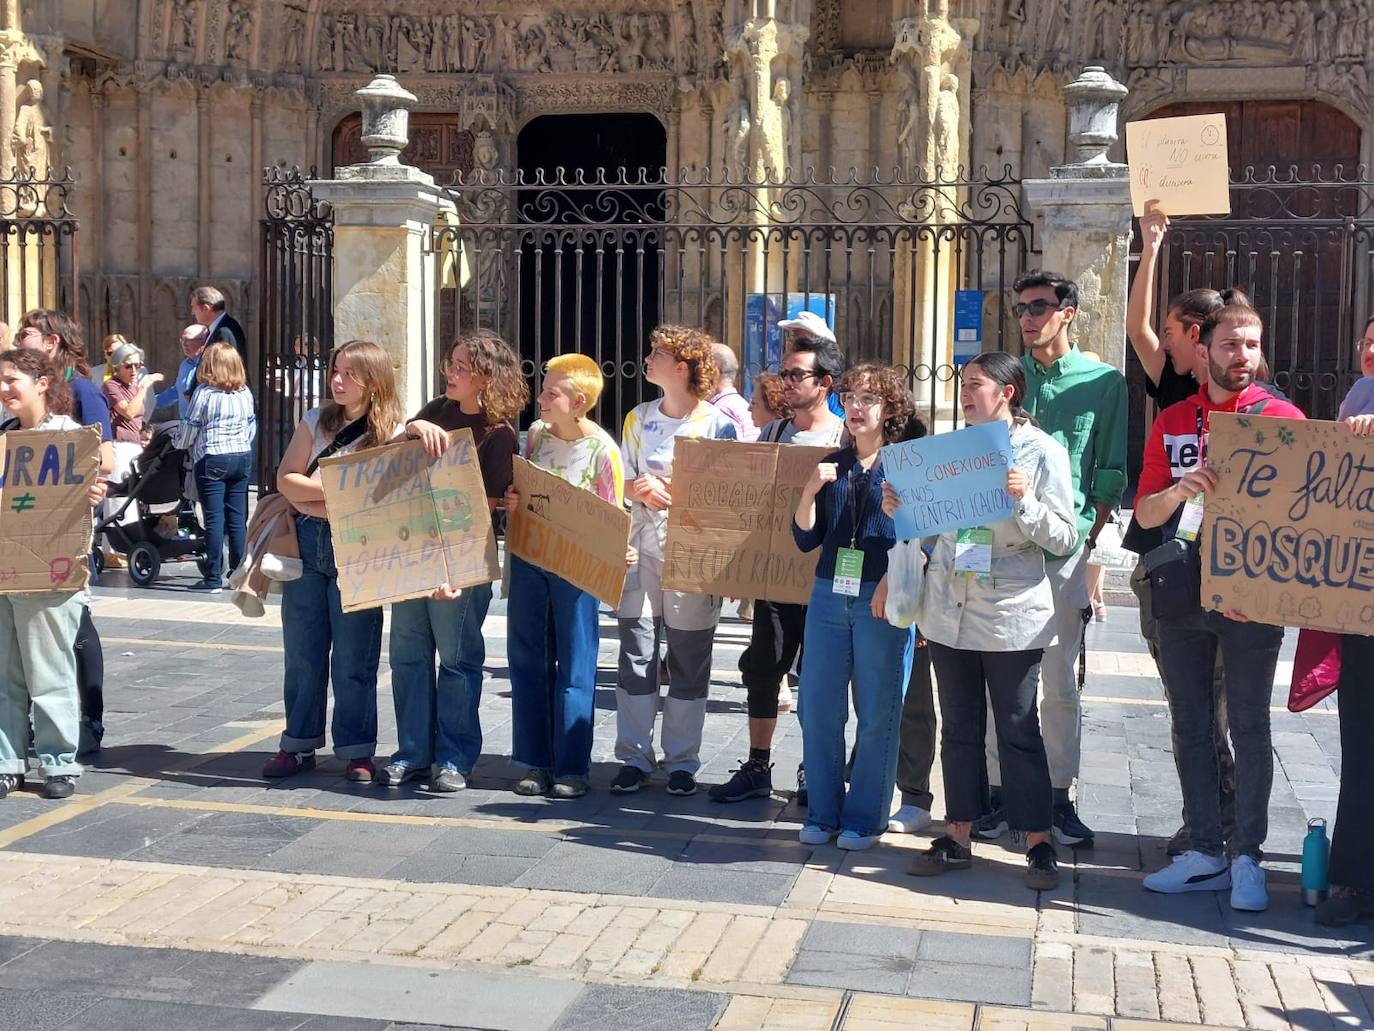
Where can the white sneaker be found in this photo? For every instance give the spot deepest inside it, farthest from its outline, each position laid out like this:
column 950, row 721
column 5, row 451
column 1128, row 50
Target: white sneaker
column 813, row 835
column 785, row 702
column 1247, row 885
column 852, row 841
column 1192, row 871
column 909, row 819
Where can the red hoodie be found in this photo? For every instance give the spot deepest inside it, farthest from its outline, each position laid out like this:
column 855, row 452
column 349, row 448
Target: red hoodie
column 1173, row 445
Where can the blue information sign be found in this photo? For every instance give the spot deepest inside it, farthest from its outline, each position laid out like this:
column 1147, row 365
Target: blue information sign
column 968, row 324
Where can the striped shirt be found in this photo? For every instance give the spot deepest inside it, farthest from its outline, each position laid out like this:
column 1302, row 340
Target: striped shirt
column 219, row 422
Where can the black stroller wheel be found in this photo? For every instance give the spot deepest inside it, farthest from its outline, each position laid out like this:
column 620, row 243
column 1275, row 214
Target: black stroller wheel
column 144, row 564
column 97, row 560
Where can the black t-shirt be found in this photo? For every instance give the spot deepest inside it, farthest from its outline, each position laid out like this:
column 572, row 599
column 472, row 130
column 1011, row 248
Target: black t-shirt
column 1173, row 386
column 496, row 442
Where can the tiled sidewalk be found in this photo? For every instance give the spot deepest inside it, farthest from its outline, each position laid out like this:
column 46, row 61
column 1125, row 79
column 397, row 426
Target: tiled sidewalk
column 176, row 844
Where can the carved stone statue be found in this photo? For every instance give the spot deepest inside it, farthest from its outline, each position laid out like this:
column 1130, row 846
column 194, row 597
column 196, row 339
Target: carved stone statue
column 188, row 17
column 485, row 155
column 908, row 119
column 238, row 34
column 739, row 126
column 32, row 137
column 782, row 97
column 946, row 129
column 293, row 43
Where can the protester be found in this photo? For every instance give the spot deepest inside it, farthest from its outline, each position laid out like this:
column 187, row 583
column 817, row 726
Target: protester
column 807, row 325
column 847, row 640
column 436, row 714
column 1081, row 403
column 989, row 612
column 57, row 335
column 324, row 644
column 552, row 645
column 193, row 342
column 38, row 629
column 1174, row 482
column 681, row 365
column 1351, row 870
column 769, row 401
column 727, row 398
column 217, row 433
column 810, row 370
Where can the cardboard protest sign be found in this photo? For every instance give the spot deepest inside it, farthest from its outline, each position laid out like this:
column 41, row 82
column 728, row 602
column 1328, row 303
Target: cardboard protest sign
column 730, row 524
column 1180, row 162
column 571, row 532
column 45, row 518
column 1288, row 534
column 951, row 481
column 404, row 524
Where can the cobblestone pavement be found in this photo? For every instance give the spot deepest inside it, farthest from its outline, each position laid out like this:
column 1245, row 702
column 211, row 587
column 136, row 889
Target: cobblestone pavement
column 179, row 888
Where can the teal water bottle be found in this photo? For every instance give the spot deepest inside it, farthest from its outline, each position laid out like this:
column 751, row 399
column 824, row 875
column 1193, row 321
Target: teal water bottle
column 1316, row 860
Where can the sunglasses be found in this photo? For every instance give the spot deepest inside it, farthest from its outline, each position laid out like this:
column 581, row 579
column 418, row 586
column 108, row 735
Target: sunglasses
column 1035, row 308
column 132, row 365
column 798, row 375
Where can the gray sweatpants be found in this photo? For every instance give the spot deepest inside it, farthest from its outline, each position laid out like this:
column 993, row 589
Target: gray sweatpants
column 637, row 694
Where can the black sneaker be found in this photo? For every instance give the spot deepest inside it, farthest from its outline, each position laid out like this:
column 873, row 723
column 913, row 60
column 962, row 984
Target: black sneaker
column 207, row 587
column 629, row 780
column 943, row 856
column 59, row 787
column 680, row 782
column 535, row 782
column 1068, row 828
column 753, row 779
column 1042, row 867
column 990, row 826
column 801, row 796
column 1345, row 906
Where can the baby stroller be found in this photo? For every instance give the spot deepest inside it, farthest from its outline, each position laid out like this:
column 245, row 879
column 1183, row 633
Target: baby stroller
column 166, row 528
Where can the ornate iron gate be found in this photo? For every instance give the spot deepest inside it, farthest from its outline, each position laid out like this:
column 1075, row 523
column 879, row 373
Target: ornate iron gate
column 591, row 265
column 38, row 256
column 296, row 312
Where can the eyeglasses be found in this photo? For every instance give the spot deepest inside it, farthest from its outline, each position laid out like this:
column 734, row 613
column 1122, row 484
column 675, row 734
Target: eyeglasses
column 132, row 365
column 457, row 368
column 1035, row 308
column 797, row 375
column 848, row 401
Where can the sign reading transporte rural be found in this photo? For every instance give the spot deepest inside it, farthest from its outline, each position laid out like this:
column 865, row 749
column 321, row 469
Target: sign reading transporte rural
column 1288, row 533
column 404, row 524
column 1181, row 163
column 950, row 481
column 730, row 524
column 45, row 518
column 569, row 531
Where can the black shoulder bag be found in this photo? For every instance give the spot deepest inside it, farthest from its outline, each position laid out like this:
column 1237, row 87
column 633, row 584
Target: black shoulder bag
column 342, row 439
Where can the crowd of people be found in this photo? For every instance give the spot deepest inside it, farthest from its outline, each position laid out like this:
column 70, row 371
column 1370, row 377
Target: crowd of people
column 1000, row 618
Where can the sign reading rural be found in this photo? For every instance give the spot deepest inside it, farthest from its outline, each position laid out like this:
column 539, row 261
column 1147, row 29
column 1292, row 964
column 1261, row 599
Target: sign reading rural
column 571, row 532
column 1181, row 163
column 951, row 481
column 1288, row 533
column 730, row 524
column 45, row 518
column 404, row 524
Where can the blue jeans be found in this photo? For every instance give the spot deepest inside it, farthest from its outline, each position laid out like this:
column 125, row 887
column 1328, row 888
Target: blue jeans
column 222, row 481
column 436, row 714
column 551, row 650
column 1188, row 649
column 322, row 642
column 844, row 643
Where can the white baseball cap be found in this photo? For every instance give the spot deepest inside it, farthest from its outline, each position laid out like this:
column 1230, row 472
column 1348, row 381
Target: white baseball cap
column 810, row 323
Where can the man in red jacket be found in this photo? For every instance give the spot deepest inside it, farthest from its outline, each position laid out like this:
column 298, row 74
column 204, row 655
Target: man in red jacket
column 1174, row 485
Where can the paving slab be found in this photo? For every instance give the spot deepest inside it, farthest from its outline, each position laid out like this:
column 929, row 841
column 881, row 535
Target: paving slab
column 602, row 1007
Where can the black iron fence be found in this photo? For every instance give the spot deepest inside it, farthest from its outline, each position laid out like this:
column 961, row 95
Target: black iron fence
column 38, row 254
column 296, row 312
column 593, row 264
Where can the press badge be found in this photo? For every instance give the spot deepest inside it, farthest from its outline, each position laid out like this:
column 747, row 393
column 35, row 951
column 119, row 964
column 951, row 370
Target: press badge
column 849, row 571
column 973, row 552
column 1190, row 519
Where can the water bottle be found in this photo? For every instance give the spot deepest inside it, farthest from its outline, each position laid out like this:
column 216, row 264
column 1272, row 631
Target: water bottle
column 1316, row 859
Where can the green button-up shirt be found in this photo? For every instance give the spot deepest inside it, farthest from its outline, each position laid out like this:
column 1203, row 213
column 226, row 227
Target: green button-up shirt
column 1082, row 404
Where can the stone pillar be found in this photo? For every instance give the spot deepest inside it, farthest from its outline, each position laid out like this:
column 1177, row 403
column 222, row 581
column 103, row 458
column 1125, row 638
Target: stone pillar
column 1086, row 208
column 383, row 268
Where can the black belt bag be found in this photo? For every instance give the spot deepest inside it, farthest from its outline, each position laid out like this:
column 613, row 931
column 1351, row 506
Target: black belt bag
column 1175, row 573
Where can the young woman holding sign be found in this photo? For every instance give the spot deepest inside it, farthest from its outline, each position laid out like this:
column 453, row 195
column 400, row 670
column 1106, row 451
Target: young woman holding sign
column 38, row 628
column 552, row 646
column 436, row 713
column 847, row 640
column 988, row 613
column 322, row 642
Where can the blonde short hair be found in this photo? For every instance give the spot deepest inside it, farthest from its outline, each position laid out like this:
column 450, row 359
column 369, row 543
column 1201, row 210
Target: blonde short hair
column 222, row 368
column 581, row 371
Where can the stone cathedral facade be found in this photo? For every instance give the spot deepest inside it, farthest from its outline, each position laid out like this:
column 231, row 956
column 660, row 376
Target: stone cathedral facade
column 167, row 111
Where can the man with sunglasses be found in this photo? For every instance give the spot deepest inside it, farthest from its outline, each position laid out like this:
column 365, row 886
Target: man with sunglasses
column 1082, row 404
column 810, row 367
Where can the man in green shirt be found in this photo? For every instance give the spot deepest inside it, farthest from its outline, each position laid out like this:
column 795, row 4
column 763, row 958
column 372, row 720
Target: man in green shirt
column 1081, row 402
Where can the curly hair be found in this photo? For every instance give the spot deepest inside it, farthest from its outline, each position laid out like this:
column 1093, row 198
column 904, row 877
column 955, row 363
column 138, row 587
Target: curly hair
column 774, row 392
column 693, row 347
column 506, row 391
column 890, row 385
column 37, row 365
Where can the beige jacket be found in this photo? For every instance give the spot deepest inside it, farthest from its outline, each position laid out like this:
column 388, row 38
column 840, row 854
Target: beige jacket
column 271, row 555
